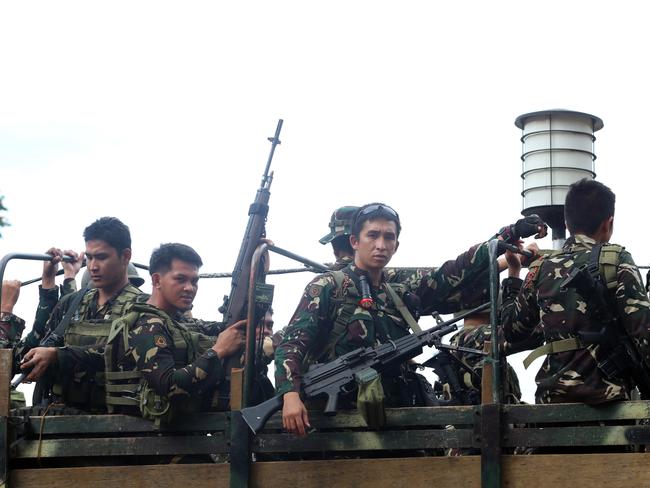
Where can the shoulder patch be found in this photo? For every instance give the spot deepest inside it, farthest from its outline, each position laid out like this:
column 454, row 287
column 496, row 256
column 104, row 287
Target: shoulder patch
column 315, row 290
column 160, row 341
column 530, row 277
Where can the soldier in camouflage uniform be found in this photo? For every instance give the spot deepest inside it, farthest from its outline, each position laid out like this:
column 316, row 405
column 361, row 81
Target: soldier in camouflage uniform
column 339, row 235
column 325, row 325
column 155, row 365
column 89, row 312
column 572, row 370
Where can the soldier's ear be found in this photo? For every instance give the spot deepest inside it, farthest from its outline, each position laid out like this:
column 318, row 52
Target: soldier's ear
column 354, row 242
column 155, row 280
column 396, row 245
column 126, row 255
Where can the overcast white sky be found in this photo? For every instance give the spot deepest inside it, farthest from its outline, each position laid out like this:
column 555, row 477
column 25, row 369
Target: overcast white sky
column 158, row 113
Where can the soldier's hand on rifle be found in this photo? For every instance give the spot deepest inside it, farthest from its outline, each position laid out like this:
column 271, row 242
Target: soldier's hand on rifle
column 38, row 360
column 230, row 340
column 51, row 267
column 70, row 270
column 10, row 294
column 294, row 414
column 526, row 227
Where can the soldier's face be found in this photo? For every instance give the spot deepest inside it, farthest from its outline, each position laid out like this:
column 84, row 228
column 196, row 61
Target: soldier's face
column 375, row 245
column 177, row 287
column 107, row 268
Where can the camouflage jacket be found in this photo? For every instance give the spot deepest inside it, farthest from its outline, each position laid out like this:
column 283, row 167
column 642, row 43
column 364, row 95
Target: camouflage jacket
column 474, row 338
column 321, row 304
column 573, row 376
column 11, row 328
column 154, row 352
column 47, row 300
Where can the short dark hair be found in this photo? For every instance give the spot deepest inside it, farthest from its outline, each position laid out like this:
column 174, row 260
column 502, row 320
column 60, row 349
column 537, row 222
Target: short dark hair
column 110, row 230
column 372, row 211
column 588, row 203
column 342, row 244
column 162, row 257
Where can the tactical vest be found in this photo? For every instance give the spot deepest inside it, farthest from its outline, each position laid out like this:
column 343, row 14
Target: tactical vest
column 608, row 261
column 85, row 388
column 129, row 389
column 346, row 303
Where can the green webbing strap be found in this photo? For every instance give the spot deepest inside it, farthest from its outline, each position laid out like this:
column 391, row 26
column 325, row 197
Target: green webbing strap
column 572, row 344
column 122, row 375
column 405, row 312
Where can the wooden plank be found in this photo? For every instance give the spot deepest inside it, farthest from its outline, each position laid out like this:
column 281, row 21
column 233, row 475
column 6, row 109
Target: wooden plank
column 614, row 435
column 120, row 446
column 111, row 424
column 539, row 471
column 365, row 441
column 577, row 470
column 395, row 418
column 576, row 412
column 192, row 475
column 6, row 361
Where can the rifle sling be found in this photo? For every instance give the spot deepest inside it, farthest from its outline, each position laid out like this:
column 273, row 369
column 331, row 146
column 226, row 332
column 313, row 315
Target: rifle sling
column 67, row 318
column 571, row 344
column 403, row 310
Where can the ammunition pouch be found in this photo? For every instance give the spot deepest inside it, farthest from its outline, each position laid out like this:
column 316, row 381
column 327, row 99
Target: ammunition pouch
column 371, row 398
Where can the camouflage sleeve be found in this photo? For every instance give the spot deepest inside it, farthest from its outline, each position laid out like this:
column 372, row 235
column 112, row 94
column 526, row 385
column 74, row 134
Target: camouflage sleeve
column 44, row 321
column 151, row 346
column 299, row 336
column 207, row 327
column 69, row 286
column 11, row 328
column 458, row 283
column 519, row 310
column 80, row 358
column 632, row 304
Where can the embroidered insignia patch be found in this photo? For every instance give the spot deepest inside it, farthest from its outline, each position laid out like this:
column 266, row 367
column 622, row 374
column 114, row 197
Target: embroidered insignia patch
column 160, row 341
column 315, row 290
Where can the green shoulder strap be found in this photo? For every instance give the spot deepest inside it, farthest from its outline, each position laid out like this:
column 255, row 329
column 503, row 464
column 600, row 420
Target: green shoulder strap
column 403, row 310
column 610, row 258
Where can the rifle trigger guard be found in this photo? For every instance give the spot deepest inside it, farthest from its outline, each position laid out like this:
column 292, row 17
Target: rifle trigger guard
column 392, row 343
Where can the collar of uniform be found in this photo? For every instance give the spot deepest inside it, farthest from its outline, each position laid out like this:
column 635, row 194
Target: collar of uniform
column 95, row 296
column 580, row 240
column 355, row 270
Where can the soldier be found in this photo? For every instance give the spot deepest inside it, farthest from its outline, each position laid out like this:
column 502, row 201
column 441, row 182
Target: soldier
column 343, row 310
column 339, row 235
column 155, row 366
column 579, row 366
column 81, row 320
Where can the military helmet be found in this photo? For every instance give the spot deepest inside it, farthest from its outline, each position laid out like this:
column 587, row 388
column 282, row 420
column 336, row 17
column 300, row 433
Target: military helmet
column 134, row 278
column 341, row 223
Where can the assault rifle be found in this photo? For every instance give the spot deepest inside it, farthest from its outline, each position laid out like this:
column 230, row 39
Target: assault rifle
column 234, row 307
column 622, row 358
column 338, row 376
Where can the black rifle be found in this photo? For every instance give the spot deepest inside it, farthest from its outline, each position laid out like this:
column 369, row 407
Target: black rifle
column 338, row 376
column 54, row 338
column 234, row 307
column 621, row 357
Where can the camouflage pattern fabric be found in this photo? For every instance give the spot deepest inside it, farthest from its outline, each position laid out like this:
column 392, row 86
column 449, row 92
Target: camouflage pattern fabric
column 474, row 337
column 11, row 329
column 573, row 376
column 154, row 352
column 341, row 263
column 323, row 301
column 47, row 300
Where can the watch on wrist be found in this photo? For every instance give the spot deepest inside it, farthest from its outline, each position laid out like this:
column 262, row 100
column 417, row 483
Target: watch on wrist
column 210, row 354
column 6, row 316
